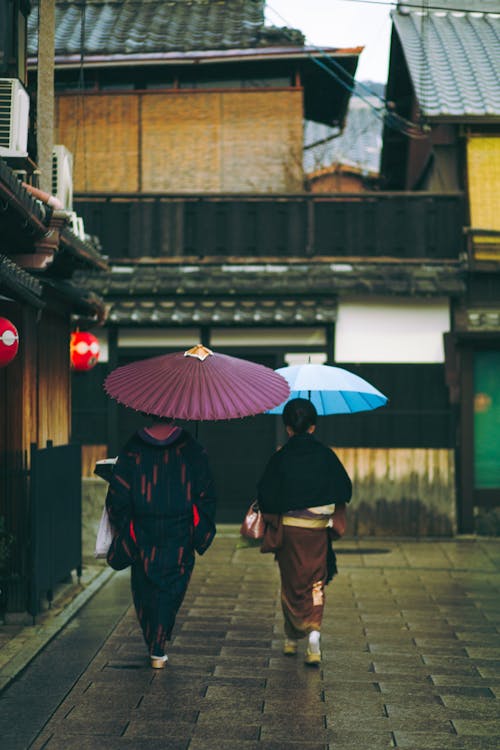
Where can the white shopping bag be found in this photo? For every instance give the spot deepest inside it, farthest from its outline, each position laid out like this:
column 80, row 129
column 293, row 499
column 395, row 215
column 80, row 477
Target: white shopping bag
column 104, row 535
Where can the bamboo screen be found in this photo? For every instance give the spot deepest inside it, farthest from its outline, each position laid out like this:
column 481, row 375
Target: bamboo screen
column 222, row 141
column 180, row 142
column 483, row 165
column 237, row 141
column 261, row 146
column 102, row 134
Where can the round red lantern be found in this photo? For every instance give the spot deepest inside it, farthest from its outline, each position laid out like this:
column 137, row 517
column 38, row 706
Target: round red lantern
column 83, row 350
column 9, row 341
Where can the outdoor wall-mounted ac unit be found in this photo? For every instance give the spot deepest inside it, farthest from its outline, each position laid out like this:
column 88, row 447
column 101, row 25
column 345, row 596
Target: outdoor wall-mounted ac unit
column 76, row 225
column 62, row 176
column 14, row 116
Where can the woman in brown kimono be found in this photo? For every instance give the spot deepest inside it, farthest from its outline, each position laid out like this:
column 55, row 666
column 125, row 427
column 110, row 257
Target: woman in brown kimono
column 305, row 483
column 161, row 502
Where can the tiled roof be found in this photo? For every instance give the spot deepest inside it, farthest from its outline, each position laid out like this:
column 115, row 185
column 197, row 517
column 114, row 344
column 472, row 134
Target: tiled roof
column 149, row 26
column 453, row 60
column 83, row 302
column 256, row 294
column 483, row 319
column 18, row 283
column 216, row 311
column 359, row 145
column 22, row 216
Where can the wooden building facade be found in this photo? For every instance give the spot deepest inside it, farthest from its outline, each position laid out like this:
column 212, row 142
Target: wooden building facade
column 461, row 152
column 39, row 252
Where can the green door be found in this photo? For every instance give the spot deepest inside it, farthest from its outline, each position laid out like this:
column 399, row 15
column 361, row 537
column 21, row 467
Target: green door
column 487, row 420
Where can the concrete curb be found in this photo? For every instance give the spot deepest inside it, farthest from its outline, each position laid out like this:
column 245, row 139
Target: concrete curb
column 23, row 647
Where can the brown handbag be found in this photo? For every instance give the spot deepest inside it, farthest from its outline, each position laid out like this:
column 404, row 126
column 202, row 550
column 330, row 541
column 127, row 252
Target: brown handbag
column 253, row 524
column 339, row 521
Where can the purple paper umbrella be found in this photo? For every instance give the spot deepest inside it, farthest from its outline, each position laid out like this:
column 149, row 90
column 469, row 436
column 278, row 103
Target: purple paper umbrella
column 197, row 385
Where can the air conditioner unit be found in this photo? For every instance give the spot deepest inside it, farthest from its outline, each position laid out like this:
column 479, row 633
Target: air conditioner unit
column 76, row 225
column 62, row 176
column 14, row 115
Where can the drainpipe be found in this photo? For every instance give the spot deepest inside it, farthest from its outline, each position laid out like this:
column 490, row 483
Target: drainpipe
column 41, row 195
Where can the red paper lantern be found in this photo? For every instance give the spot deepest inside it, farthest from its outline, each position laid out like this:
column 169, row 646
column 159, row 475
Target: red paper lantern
column 83, row 350
column 9, row 341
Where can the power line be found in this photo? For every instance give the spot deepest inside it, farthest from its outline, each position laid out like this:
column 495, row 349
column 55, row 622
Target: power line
column 410, row 6
column 385, row 113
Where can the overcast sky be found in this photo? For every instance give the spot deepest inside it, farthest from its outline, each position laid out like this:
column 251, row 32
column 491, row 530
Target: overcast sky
column 340, row 23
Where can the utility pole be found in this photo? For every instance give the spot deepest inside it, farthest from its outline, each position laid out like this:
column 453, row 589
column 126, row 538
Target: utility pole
column 45, row 92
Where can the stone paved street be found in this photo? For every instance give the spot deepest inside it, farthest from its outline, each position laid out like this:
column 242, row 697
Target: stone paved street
column 411, row 657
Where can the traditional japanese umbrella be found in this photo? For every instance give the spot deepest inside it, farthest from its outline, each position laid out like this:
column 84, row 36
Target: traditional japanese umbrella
column 332, row 390
column 198, row 384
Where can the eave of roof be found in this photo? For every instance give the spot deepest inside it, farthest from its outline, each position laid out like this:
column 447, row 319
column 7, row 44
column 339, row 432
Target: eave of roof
column 199, row 57
column 82, row 301
column 27, row 215
column 19, row 283
column 82, row 253
column 272, row 280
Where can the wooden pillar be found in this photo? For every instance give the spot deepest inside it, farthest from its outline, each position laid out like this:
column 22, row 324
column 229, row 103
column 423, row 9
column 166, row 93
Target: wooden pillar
column 113, row 443
column 330, row 343
column 465, row 504
column 45, row 92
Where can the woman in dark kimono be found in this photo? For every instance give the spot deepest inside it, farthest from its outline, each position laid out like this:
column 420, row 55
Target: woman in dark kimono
column 306, row 484
column 161, row 503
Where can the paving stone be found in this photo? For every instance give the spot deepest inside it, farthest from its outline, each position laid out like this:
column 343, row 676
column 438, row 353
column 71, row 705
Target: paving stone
column 205, row 743
column 225, row 693
column 481, row 707
column 469, row 680
column 357, row 713
column 407, row 721
column 283, row 726
column 477, row 652
column 439, row 662
column 100, row 725
column 415, row 714
column 478, row 727
column 154, row 728
column 294, row 703
column 391, row 648
column 352, row 740
column 490, row 673
column 475, row 638
column 67, row 741
column 426, row 741
column 235, row 731
column 290, row 744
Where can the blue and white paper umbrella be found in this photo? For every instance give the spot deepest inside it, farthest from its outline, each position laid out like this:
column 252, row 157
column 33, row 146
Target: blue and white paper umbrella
column 332, row 390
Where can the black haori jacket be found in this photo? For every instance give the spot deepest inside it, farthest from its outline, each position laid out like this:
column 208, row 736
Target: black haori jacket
column 304, row 473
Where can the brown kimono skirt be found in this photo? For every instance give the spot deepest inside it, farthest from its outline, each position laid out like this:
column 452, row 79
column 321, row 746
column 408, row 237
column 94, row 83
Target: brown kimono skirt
column 304, row 567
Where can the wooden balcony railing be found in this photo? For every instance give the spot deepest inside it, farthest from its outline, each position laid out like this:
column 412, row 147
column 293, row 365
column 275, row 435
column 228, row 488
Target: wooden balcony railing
column 367, row 225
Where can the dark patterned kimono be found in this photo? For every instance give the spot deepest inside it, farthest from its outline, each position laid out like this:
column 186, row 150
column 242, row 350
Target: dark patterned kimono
column 161, row 503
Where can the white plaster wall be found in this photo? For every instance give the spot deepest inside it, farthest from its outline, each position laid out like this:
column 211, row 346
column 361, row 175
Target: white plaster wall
column 391, row 330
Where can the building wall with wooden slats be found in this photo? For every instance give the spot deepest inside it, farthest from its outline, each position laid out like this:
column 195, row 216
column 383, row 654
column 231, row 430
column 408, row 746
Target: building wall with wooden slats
column 37, row 383
column 262, row 139
column 237, row 141
column 181, row 142
column 54, row 380
column 405, row 491
column 483, row 173
column 102, row 132
column 35, row 392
